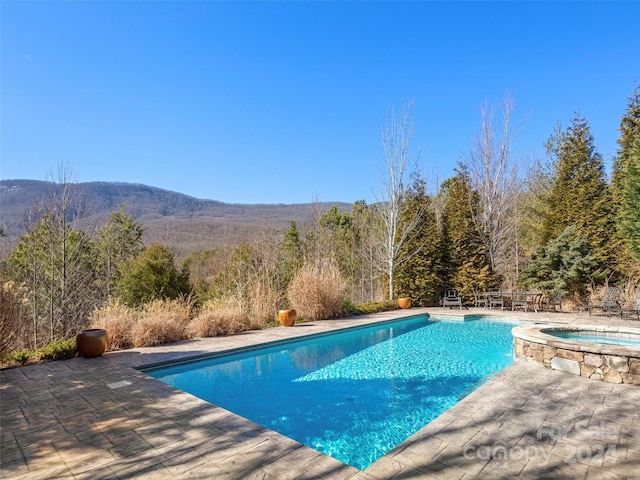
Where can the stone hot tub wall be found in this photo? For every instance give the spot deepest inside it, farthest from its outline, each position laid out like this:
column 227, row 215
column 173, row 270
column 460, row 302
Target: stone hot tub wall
column 607, row 363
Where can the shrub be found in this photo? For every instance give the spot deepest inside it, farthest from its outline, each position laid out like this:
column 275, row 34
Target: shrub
column 58, row 350
column 118, row 320
column 317, row 293
column 565, row 264
column 163, row 321
column 219, row 319
column 369, row 307
column 152, row 275
column 17, row 358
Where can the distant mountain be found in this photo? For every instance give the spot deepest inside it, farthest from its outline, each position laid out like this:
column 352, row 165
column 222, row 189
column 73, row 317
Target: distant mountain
column 174, row 219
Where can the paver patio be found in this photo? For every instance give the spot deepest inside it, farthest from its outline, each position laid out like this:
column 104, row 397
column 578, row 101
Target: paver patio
column 103, row 418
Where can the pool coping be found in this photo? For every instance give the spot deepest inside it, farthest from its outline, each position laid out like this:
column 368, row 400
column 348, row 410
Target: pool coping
column 592, row 360
column 103, row 417
column 537, row 334
column 280, row 342
column 257, row 346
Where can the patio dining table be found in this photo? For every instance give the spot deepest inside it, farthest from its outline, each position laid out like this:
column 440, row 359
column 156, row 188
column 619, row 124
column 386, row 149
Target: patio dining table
column 513, row 299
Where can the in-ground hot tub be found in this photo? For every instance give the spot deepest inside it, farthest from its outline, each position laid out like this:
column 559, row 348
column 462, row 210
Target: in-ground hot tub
column 604, row 353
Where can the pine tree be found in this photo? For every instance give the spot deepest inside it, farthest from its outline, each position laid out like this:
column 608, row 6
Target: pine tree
column 290, row 257
column 579, row 195
column 419, row 277
column 630, row 208
column 563, row 266
column 152, row 275
column 466, row 263
column 629, row 133
column 624, row 184
column 57, row 266
column 119, row 241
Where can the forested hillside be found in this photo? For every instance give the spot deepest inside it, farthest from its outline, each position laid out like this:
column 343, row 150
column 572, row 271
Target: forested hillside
column 186, row 223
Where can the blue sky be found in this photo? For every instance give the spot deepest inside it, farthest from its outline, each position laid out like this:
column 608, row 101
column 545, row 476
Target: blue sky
column 282, row 102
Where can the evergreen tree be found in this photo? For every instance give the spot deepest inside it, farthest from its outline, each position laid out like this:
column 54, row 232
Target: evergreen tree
column 630, row 208
column 563, row 266
column 579, row 195
column 119, row 241
column 204, row 268
column 290, row 256
column 336, row 229
column 466, row 263
column 56, row 263
column 629, row 134
column 533, row 205
column 419, row 277
column 152, row 275
column 623, row 183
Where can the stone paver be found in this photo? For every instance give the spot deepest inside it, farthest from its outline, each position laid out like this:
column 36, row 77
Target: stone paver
column 103, row 418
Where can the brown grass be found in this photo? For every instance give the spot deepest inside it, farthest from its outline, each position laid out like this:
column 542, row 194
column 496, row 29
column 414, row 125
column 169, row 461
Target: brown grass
column 14, row 324
column 263, row 304
column 118, row 320
column 628, row 295
column 317, row 293
column 216, row 319
column 162, row 321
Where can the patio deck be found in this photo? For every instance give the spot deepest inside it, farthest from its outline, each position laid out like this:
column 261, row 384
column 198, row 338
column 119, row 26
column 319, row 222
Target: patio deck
column 103, row 418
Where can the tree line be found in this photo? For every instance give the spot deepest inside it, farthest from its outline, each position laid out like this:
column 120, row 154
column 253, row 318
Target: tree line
column 558, row 225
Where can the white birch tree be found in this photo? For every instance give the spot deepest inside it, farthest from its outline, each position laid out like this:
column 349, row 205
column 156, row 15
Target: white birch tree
column 400, row 166
column 493, row 172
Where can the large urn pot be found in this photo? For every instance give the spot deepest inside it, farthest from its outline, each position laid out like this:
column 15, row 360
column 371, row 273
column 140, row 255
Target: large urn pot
column 287, row 317
column 91, row 342
column 404, row 302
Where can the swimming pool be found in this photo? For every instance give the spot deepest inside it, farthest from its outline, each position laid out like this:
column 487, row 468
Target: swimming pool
column 356, row 394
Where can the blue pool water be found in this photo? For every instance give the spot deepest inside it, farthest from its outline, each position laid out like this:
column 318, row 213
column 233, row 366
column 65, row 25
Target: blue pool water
column 353, row 395
column 598, row 337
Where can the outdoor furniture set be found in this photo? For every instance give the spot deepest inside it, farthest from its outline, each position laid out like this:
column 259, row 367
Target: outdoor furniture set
column 517, row 299
column 537, row 301
column 610, row 304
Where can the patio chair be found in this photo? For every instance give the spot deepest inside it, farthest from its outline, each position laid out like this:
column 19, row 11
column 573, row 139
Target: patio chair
column 635, row 309
column 519, row 299
column 451, row 299
column 479, row 300
column 553, row 301
column 609, row 302
column 496, row 299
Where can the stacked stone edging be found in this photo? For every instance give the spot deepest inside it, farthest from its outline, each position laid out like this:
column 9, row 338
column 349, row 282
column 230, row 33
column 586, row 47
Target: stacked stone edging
column 597, row 366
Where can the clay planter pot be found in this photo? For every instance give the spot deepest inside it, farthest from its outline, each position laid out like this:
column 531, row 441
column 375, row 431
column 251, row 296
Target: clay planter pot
column 287, row 317
column 91, row 342
column 404, row 302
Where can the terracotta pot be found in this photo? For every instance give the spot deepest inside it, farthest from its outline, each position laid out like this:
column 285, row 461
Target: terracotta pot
column 404, row 302
column 91, row 342
column 287, row 317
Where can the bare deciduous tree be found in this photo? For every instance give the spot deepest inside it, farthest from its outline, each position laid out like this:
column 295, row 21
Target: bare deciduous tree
column 494, row 177
column 54, row 260
column 400, row 163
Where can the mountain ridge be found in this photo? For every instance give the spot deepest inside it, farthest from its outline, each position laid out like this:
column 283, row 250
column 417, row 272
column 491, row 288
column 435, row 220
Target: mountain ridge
column 175, row 219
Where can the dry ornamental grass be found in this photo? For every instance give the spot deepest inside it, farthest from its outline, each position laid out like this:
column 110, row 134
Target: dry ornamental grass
column 162, row 321
column 118, row 320
column 317, row 293
column 219, row 319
